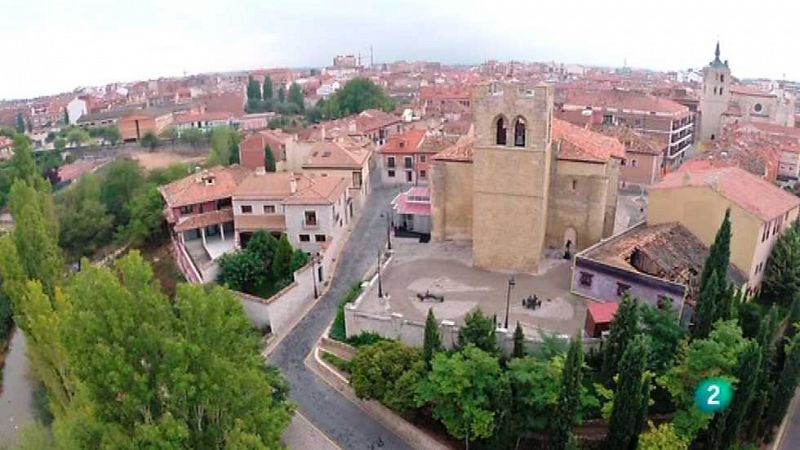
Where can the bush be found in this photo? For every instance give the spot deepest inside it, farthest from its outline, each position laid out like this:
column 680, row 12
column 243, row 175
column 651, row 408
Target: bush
column 337, row 362
column 365, row 338
column 338, row 332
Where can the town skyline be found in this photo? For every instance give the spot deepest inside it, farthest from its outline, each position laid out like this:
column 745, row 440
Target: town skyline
column 167, row 44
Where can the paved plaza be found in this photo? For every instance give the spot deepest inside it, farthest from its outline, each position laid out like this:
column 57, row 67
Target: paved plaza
column 445, row 269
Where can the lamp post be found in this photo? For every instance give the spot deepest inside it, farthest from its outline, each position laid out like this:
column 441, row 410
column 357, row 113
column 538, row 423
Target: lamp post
column 380, row 286
column 389, row 216
column 314, row 274
column 511, row 284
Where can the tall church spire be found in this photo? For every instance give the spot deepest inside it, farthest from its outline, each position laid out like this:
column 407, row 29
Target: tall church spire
column 716, row 52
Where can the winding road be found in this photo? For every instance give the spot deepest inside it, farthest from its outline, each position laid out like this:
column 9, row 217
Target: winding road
column 345, row 423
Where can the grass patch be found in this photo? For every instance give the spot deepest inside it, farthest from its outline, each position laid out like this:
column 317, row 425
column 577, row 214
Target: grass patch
column 337, row 330
column 365, row 338
column 337, row 362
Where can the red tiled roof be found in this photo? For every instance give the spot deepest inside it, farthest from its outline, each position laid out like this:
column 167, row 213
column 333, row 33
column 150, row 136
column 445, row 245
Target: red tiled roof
column 193, row 189
column 407, row 142
column 272, row 222
column 336, row 155
column 461, row 151
column 188, row 118
column 318, row 191
column 602, row 312
column 622, row 99
column 444, row 93
column 632, row 140
column 203, row 220
column 581, row 144
column 744, row 89
column 73, row 171
column 748, row 191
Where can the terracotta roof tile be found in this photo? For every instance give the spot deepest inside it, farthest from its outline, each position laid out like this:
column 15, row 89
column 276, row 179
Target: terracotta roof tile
column 461, row 151
column 212, row 184
column 318, row 190
column 272, row 222
column 750, row 192
column 407, row 142
column 581, row 144
column 203, row 220
column 621, row 99
column 336, row 155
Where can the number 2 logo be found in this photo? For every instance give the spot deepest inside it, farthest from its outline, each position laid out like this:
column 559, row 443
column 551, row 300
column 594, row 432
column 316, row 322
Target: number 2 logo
column 712, row 399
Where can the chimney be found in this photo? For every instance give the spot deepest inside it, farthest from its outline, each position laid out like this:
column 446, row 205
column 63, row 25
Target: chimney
column 293, row 184
column 198, row 175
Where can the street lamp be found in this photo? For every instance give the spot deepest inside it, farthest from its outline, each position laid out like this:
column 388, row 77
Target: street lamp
column 389, row 216
column 380, row 286
column 511, row 284
column 314, row 274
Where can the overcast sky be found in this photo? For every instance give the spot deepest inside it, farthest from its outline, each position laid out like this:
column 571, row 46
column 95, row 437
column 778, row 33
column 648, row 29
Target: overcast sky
column 51, row 46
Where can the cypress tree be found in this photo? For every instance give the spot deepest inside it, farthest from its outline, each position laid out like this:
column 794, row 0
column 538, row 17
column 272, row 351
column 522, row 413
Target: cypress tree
column 782, row 274
column 253, row 89
column 433, row 340
column 267, row 88
column 269, row 159
column 630, row 398
column 282, row 261
column 748, row 374
column 787, row 384
column 281, row 94
column 20, row 123
column 719, row 254
column 767, row 377
column 519, row 343
column 623, row 329
column 708, row 307
column 568, row 396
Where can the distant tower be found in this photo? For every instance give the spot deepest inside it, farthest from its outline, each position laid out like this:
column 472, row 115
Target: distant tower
column 511, row 175
column 714, row 98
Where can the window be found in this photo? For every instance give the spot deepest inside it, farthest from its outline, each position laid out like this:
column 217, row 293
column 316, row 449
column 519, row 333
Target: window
column 305, row 238
column 409, row 176
column 310, row 218
column 357, row 179
column 247, row 209
column 622, row 288
column 586, row 279
column 608, row 119
column 633, row 163
column 186, row 209
column 391, row 174
column 319, row 238
column 269, row 209
column 715, row 90
column 574, row 184
column 757, row 108
column 500, row 133
column 720, row 91
column 623, row 162
column 663, row 302
column 519, row 132
column 408, row 162
column 722, row 78
column 423, row 158
column 423, row 174
column 390, row 162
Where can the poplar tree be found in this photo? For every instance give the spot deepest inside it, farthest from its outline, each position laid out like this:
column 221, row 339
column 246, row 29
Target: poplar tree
column 519, row 343
column 269, row 159
column 631, row 397
column 267, row 88
column 433, row 340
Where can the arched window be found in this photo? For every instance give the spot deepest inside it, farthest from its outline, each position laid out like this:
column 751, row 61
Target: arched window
column 501, row 131
column 722, row 78
column 720, row 91
column 519, row 132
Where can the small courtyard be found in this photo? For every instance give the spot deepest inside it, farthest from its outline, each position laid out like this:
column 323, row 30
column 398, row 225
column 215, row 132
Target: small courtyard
column 445, row 269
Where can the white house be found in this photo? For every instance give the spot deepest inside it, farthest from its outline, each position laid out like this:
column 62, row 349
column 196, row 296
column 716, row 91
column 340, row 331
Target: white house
column 75, row 109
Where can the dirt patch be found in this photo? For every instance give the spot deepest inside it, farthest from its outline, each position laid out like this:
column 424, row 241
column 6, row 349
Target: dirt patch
column 161, row 160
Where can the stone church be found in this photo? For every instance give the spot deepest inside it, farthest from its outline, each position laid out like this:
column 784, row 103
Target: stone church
column 523, row 183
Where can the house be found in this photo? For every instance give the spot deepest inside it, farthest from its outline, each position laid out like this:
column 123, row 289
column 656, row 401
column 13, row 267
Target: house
column 669, row 123
column 76, row 108
column 6, row 148
column 344, row 158
column 406, row 157
column 525, row 183
column 104, row 118
column 784, row 140
column 199, row 212
column 142, row 121
column 203, row 121
column 411, row 210
column 657, row 264
column 283, row 145
column 599, row 317
column 697, row 199
column 644, row 157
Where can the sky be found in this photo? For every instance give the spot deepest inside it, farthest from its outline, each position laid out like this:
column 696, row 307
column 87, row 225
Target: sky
column 52, row 46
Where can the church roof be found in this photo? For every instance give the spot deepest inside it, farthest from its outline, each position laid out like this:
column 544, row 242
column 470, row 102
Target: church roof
column 580, row 144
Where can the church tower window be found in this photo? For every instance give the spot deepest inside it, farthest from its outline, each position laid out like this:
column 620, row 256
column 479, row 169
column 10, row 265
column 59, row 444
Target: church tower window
column 519, row 132
column 501, row 132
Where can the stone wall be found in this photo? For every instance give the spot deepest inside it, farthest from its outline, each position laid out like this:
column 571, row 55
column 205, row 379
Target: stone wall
column 451, row 200
column 578, row 202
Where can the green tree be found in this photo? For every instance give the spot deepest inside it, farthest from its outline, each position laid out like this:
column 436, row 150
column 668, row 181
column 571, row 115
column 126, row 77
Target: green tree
column 281, row 94
column 714, row 298
column 66, row 117
column 149, row 140
column 463, row 390
column 782, row 275
column 715, row 356
column 732, row 420
column 708, row 307
column 663, row 437
column 253, row 89
column 282, row 261
column 241, row 270
column 478, row 330
column 60, row 144
column 192, row 136
column 146, row 210
column 267, row 87
column 631, row 397
column 665, row 332
column 85, row 223
column 202, row 351
column 356, row 96
column 377, row 369
column 20, row 123
column 432, row 343
column 519, row 343
column 269, row 159
column 111, row 135
column 567, row 408
column 624, row 328
column 264, row 246
column 296, row 96
column 224, row 146
column 123, row 178
column 787, row 384
column 78, row 136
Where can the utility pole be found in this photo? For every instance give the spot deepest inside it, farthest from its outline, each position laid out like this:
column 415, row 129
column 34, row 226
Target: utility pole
column 511, row 284
column 380, row 286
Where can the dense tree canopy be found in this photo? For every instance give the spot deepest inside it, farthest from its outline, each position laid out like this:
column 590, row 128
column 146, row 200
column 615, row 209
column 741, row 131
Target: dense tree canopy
column 478, row 330
column 782, row 275
column 356, row 96
column 390, row 372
